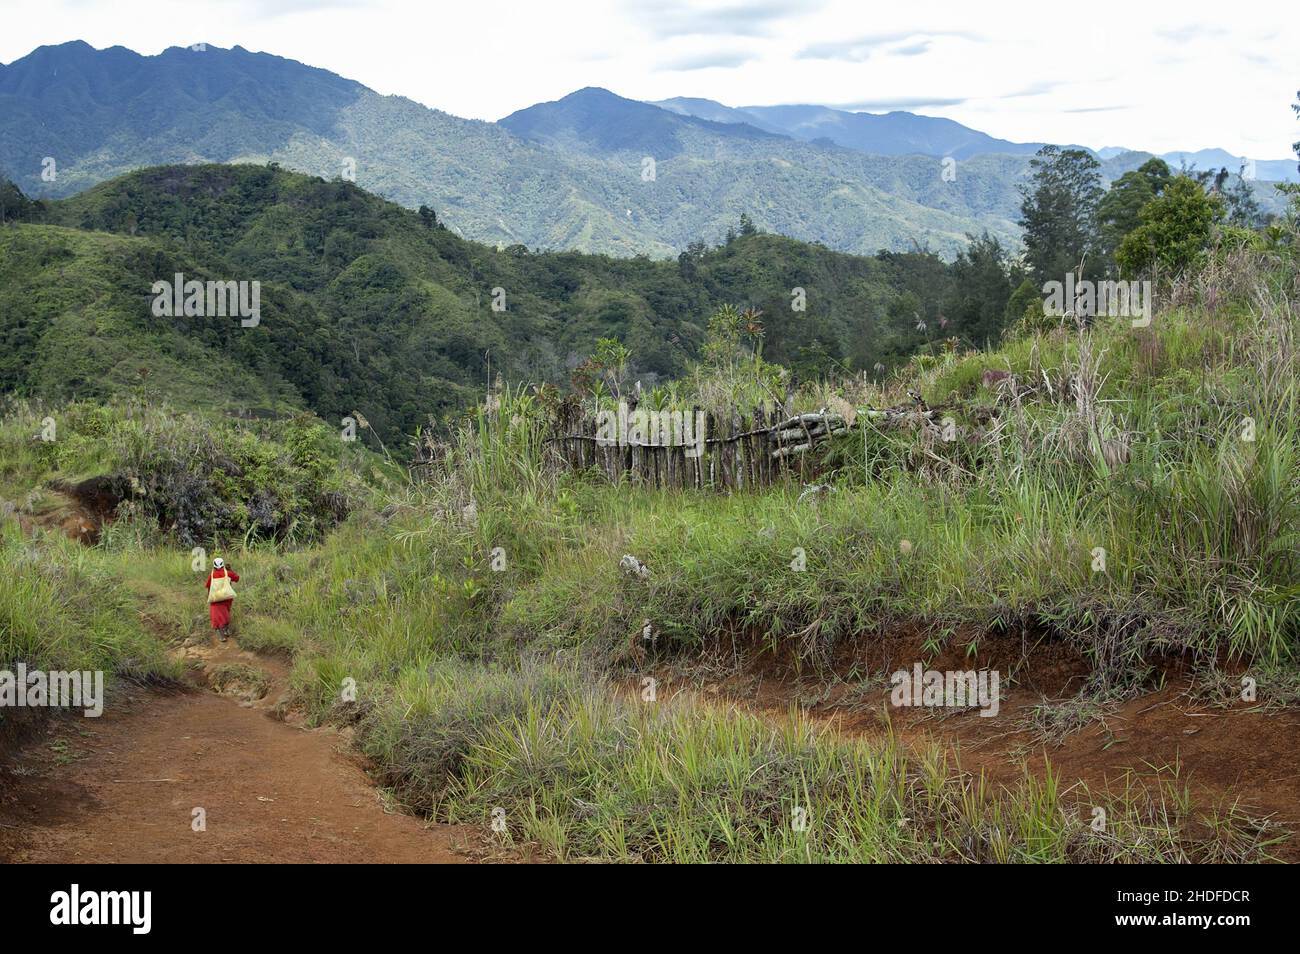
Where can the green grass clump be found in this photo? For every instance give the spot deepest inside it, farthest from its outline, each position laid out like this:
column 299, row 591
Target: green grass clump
column 64, row 607
column 576, row 769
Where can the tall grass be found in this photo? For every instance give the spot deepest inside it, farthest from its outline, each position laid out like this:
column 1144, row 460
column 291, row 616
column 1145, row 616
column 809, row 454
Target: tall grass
column 1129, row 443
column 64, row 607
column 560, row 761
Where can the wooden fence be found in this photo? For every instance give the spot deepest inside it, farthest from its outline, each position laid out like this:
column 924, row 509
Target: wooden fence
column 733, row 452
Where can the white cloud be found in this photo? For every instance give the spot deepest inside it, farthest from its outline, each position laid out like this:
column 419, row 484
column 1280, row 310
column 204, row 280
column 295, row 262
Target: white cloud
column 1189, row 76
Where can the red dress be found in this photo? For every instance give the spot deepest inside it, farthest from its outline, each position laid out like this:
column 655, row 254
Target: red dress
column 219, row 613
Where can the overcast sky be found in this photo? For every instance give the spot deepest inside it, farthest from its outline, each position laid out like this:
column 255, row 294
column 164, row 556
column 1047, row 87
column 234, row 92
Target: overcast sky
column 1155, row 76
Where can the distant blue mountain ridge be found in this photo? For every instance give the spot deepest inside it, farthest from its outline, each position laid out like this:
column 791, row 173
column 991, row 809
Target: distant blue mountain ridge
column 902, row 133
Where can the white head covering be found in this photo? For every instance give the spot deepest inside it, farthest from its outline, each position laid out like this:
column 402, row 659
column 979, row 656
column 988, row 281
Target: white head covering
column 218, row 563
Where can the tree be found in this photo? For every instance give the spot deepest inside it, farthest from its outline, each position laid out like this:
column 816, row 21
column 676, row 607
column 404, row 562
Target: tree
column 1292, row 189
column 1243, row 208
column 722, row 347
column 1295, row 146
column 1058, row 212
column 14, row 206
column 1117, row 213
column 1026, row 299
column 611, row 359
column 976, row 307
column 1175, row 230
column 688, row 262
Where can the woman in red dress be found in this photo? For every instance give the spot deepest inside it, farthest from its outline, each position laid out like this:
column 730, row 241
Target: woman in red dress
column 219, row 612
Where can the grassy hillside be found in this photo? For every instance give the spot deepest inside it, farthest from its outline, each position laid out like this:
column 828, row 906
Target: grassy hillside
column 93, row 495
column 141, row 470
column 483, row 686
column 498, row 649
column 1128, row 439
column 64, row 607
column 370, row 307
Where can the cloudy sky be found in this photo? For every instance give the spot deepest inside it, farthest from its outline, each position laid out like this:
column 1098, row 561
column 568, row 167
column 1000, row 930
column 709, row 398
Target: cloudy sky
column 1156, row 76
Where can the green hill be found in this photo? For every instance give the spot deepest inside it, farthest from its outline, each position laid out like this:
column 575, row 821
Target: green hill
column 77, row 324
column 368, row 306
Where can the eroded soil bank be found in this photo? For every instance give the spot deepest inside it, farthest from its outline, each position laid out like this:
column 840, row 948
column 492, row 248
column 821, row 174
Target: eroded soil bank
column 1240, row 754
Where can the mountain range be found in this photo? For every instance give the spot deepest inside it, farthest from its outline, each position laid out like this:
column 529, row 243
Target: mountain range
column 592, row 172
column 896, row 133
column 903, row 133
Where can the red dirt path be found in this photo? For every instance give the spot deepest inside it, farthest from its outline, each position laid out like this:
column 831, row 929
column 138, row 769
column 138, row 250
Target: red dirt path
column 123, row 787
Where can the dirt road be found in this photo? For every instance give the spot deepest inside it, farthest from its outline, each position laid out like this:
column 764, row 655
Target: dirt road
column 125, row 787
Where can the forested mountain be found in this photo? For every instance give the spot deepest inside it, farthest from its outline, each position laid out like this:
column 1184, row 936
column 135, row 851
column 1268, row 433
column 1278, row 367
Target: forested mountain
column 596, row 120
column 899, row 133
column 572, row 174
column 1265, row 170
column 814, row 192
column 508, row 182
column 100, row 113
column 372, row 307
column 896, row 133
